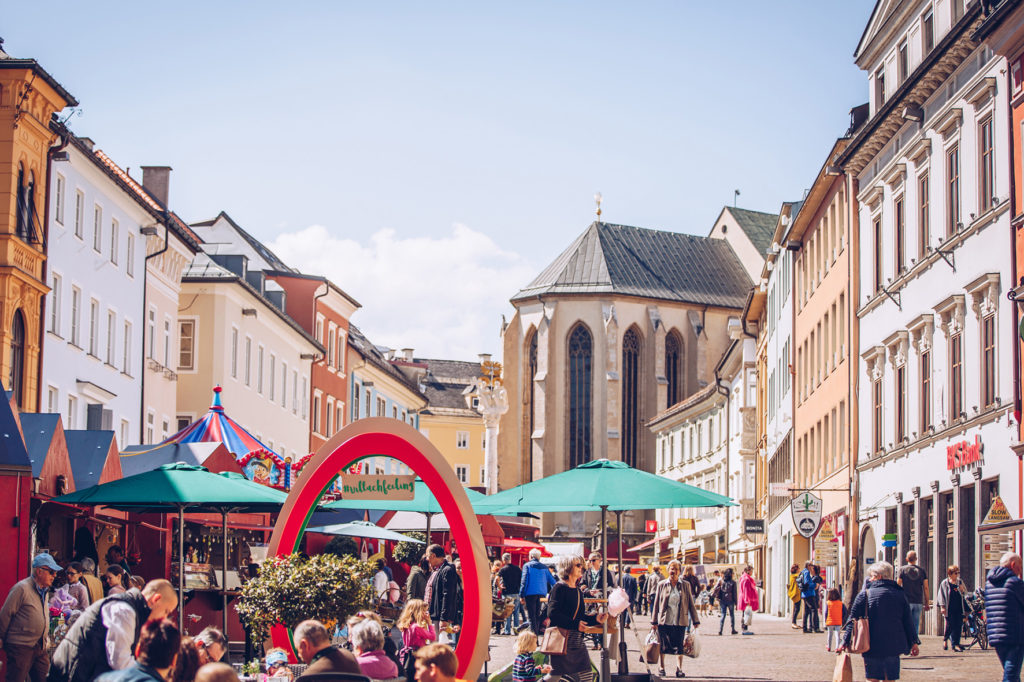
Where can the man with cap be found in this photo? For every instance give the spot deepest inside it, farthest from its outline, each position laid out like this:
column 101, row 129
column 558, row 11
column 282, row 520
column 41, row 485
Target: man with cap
column 25, row 622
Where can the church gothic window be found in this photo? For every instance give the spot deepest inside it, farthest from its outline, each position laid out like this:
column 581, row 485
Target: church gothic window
column 630, row 396
column 581, row 355
column 531, row 373
column 673, row 365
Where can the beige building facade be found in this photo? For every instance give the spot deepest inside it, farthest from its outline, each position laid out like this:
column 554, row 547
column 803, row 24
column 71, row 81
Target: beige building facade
column 451, row 421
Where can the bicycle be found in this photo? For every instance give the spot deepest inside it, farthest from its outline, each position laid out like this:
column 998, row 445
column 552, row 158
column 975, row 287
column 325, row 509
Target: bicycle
column 975, row 628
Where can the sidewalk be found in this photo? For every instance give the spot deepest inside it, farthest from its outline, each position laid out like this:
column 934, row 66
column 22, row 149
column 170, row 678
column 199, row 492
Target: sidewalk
column 777, row 652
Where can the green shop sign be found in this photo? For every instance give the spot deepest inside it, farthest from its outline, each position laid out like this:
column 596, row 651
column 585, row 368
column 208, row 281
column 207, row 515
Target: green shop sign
column 361, row 487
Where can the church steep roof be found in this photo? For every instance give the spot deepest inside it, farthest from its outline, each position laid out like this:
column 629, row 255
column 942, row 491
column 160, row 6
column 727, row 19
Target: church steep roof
column 636, row 261
column 759, row 227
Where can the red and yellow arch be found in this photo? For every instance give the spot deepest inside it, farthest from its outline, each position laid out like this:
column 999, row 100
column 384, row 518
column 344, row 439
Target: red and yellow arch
column 380, row 436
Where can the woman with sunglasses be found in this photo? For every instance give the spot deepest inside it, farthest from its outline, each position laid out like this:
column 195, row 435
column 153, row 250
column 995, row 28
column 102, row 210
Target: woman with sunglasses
column 77, row 588
column 951, row 603
column 568, row 611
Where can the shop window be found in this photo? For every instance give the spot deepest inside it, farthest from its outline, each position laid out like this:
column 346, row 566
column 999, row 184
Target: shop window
column 967, row 530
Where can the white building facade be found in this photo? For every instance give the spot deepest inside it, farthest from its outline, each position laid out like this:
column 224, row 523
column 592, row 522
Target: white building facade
column 936, row 362
column 92, row 350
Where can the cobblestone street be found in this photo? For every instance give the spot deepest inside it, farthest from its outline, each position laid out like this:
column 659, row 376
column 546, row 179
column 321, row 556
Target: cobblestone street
column 777, row 652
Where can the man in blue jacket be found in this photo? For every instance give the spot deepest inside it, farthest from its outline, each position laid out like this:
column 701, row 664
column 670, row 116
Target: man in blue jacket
column 1004, row 612
column 536, row 583
column 809, row 593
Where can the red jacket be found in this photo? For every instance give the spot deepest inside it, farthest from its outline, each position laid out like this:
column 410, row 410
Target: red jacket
column 748, row 593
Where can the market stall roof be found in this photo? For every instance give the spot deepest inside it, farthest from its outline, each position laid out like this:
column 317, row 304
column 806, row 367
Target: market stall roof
column 363, row 529
column 94, row 457
column 13, row 452
column 523, row 546
column 139, row 459
column 601, row 484
column 40, row 430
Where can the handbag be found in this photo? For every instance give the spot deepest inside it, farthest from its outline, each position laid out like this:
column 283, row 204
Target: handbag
column 844, row 668
column 652, row 647
column 555, row 641
column 860, row 642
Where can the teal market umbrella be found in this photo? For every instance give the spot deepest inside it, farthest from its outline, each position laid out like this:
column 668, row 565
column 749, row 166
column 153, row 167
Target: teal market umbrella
column 180, row 487
column 363, row 529
column 602, row 485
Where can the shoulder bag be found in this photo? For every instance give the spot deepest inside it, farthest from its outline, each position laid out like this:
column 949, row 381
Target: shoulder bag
column 860, row 641
column 556, row 640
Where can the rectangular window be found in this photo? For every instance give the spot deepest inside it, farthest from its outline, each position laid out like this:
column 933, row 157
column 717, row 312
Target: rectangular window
column 956, row 368
column 330, row 347
column 114, row 230
column 876, row 421
column 988, row 360
column 316, row 413
column 186, row 345
column 900, row 237
column 902, row 62
column 957, row 7
column 462, row 473
column 952, row 190
column 58, row 202
column 234, row 353
column 79, row 212
column 151, row 331
column 926, row 391
column 52, row 400
column 927, row 33
column 382, row 407
column 167, row 343
column 366, row 404
column 305, row 403
column 483, row 475
column 76, row 314
column 129, row 264
column 329, row 418
column 183, row 421
column 270, row 375
column 284, row 384
column 97, row 228
column 126, row 350
column 340, row 362
column 339, row 415
column 394, row 411
column 879, row 88
column 462, row 440
column 295, row 391
column 55, row 306
column 901, row 403
column 986, row 166
column 111, row 336
column 259, row 369
column 248, row 361
column 877, row 224
column 72, row 422
column 94, row 327
column 923, row 226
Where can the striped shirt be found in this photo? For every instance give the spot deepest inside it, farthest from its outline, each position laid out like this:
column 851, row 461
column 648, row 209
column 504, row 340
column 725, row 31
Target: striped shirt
column 524, row 669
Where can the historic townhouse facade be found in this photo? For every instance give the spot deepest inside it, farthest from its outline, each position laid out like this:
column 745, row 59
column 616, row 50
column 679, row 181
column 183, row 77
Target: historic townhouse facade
column 450, row 419
column 770, row 312
column 92, row 352
column 323, row 310
column 928, row 171
column 624, row 323
column 824, row 403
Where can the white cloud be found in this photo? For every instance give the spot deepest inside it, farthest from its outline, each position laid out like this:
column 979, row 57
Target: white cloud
column 442, row 296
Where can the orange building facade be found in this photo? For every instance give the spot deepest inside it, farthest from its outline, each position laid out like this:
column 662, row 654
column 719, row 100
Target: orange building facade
column 29, row 97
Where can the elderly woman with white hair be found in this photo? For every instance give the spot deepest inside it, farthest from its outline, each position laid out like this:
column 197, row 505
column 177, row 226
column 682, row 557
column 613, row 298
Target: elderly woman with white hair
column 367, row 638
column 568, row 611
column 893, row 631
column 535, row 584
column 672, row 612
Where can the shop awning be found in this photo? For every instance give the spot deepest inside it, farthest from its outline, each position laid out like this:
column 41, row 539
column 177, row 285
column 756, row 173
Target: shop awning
column 646, row 544
column 517, row 545
column 1002, row 526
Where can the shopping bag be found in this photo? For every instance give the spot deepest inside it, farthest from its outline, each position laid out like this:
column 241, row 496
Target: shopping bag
column 860, row 641
column 618, row 601
column 652, row 647
column 748, row 617
column 844, row 668
column 691, row 645
column 554, row 641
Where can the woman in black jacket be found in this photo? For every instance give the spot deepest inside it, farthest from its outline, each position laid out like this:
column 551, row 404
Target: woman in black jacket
column 567, row 610
column 892, row 631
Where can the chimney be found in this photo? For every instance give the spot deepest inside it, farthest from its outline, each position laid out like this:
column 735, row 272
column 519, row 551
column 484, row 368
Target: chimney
column 157, row 181
column 407, row 354
column 87, row 141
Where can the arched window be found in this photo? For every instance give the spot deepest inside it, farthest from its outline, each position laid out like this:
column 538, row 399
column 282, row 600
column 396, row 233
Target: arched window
column 17, row 378
column 673, row 367
column 581, row 360
column 630, row 396
column 529, row 405
column 21, row 218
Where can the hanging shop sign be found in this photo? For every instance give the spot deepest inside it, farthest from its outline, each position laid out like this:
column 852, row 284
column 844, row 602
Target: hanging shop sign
column 751, row 526
column 651, row 526
column 684, row 524
column 377, row 487
column 806, row 510
column 779, row 489
column 997, row 543
column 826, row 549
column 964, row 453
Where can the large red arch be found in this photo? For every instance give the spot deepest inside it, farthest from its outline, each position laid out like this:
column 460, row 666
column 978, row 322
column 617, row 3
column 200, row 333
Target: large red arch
column 393, row 438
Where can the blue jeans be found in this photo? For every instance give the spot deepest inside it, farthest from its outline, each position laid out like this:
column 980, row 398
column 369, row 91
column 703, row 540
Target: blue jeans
column 509, row 625
column 915, row 615
column 731, row 610
column 1010, row 657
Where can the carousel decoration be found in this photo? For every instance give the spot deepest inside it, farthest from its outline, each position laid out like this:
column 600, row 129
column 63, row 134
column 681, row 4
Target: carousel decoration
column 258, row 462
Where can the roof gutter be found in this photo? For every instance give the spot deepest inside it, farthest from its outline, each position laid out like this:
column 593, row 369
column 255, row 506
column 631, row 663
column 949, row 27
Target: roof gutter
column 166, row 218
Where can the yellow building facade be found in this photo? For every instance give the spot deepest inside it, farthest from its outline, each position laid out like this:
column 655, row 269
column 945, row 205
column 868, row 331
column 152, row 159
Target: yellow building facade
column 450, row 422
column 29, row 97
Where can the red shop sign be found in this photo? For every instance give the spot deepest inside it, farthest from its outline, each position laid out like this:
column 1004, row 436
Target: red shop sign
column 963, row 453
column 651, row 526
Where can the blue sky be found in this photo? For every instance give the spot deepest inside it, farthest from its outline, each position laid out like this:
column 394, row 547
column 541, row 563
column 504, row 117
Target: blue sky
column 432, row 157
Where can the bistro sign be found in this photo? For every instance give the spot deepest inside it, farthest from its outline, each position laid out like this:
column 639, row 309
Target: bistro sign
column 806, row 509
column 377, row 487
column 964, row 453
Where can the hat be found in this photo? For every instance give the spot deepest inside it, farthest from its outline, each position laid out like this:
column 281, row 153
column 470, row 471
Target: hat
column 44, row 560
column 276, row 657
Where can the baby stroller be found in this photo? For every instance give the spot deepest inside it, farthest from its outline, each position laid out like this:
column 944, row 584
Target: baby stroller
column 975, row 629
